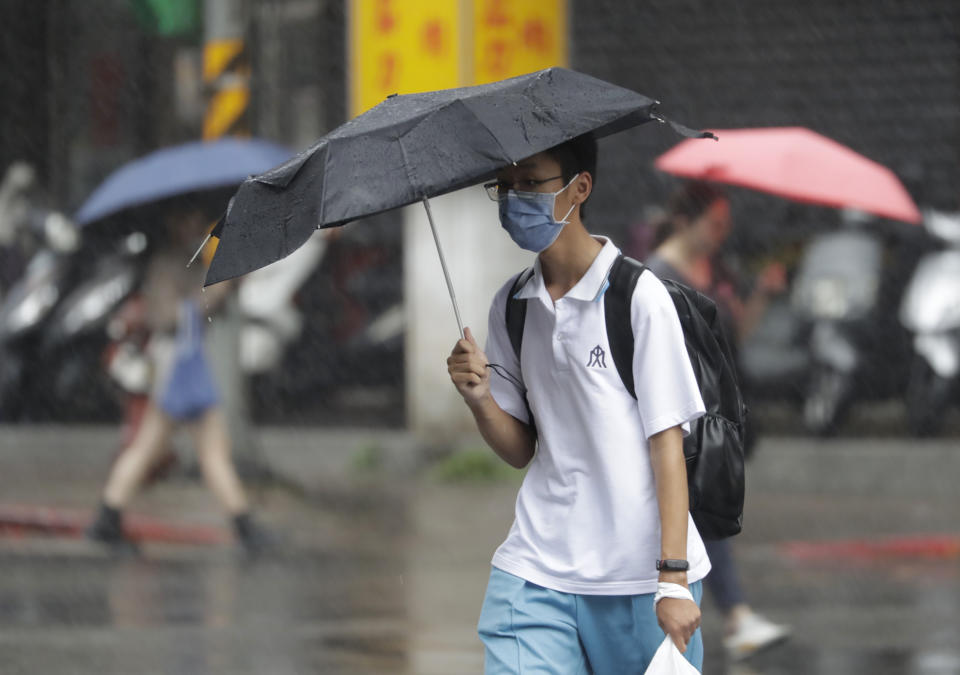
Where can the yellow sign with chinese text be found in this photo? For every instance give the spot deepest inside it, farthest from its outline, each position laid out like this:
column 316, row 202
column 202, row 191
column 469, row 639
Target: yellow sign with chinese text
column 408, row 46
column 514, row 37
column 403, row 47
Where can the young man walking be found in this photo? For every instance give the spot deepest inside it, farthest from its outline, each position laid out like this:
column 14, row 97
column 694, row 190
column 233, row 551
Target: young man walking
column 603, row 558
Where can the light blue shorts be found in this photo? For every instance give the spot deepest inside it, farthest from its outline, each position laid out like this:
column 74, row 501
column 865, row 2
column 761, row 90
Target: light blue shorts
column 528, row 629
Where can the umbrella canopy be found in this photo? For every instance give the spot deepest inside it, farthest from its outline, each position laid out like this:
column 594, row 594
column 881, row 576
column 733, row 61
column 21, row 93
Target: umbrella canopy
column 795, row 163
column 412, row 147
column 182, row 169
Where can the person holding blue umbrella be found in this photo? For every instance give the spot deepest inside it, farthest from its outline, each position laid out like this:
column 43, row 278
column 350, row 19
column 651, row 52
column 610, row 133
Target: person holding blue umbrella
column 183, row 392
column 173, row 182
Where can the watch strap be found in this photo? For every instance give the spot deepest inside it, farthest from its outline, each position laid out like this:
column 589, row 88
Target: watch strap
column 673, row 565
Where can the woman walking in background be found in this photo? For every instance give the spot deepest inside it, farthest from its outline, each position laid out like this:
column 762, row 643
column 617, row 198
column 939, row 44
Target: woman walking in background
column 696, row 225
column 183, row 392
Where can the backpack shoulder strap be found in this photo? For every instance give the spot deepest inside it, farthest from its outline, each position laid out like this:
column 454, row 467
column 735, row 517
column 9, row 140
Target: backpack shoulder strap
column 623, row 277
column 516, row 317
column 516, row 314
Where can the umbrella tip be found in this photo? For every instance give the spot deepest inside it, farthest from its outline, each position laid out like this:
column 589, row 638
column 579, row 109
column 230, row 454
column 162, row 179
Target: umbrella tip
column 197, row 254
column 682, row 129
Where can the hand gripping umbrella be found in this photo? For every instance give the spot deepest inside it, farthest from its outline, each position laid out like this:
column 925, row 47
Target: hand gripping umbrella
column 795, row 163
column 413, row 147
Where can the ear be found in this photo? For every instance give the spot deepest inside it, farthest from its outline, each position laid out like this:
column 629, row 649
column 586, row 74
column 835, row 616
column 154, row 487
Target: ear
column 582, row 187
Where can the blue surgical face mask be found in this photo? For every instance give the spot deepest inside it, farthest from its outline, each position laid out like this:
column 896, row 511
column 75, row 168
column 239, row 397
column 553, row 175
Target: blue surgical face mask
column 528, row 217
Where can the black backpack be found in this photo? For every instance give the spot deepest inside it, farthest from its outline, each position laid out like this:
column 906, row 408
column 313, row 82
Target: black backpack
column 714, row 448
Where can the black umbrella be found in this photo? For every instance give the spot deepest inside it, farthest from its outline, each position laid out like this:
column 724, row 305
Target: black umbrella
column 413, row 147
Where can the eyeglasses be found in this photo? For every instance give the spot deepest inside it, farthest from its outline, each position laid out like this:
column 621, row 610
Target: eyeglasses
column 498, row 188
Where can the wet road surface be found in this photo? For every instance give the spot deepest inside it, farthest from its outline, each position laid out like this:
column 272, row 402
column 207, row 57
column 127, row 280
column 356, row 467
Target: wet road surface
column 390, row 579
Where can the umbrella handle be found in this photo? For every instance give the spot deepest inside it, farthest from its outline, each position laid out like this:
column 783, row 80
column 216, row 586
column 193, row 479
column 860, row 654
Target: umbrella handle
column 443, row 264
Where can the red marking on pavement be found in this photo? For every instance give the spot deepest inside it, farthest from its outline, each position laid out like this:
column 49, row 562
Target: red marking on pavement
column 923, row 546
column 17, row 521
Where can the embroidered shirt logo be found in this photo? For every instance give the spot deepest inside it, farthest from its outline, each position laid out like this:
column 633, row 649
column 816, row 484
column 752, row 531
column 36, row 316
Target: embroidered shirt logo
column 598, row 358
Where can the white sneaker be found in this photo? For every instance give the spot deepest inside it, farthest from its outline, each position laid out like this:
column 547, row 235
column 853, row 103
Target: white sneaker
column 753, row 632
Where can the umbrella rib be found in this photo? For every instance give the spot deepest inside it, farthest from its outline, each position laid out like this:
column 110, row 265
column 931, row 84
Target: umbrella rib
column 323, row 186
column 411, row 174
column 463, row 104
column 483, row 124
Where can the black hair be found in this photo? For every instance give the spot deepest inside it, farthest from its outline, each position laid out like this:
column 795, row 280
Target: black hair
column 689, row 202
column 576, row 156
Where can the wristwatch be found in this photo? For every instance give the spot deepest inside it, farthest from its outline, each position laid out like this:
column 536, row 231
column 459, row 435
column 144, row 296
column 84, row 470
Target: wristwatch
column 672, row 565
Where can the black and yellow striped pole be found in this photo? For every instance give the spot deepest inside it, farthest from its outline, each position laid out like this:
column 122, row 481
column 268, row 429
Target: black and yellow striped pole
column 226, row 69
column 226, row 76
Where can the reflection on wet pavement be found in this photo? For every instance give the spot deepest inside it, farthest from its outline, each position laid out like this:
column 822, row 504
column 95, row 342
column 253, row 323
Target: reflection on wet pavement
column 393, row 584
column 202, row 613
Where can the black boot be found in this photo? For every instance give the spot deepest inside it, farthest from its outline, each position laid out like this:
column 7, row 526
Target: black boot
column 252, row 537
column 107, row 528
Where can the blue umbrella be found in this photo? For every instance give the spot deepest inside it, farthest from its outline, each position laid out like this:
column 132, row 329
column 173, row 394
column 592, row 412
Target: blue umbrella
column 189, row 168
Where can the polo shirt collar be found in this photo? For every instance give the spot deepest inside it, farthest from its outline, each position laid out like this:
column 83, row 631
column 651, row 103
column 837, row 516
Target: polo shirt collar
column 591, row 286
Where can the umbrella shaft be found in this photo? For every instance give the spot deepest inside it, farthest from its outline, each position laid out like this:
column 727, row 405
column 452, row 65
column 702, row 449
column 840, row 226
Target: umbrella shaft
column 443, row 264
column 197, row 254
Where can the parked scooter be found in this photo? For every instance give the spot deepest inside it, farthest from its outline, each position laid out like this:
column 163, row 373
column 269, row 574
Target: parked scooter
column 349, row 355
column 267, row 301
column 20, row 233
column 52, row 330
column 775, row 358
column 50, row 242
column 840, row 291
column 77, row 335
column 931, row 312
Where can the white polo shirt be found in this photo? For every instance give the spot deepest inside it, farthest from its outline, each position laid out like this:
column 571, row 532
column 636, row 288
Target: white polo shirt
column 587, row 519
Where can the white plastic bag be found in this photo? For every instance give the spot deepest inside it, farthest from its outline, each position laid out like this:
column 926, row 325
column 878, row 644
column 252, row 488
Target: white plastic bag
column 669, row 661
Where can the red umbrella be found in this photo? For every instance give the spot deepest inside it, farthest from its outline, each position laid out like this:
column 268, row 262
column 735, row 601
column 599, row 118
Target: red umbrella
column 795, row 163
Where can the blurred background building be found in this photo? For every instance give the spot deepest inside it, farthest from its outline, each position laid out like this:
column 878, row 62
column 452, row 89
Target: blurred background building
column 89, row 85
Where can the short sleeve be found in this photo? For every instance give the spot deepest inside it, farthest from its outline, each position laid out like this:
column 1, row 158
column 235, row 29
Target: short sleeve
column 666, row 388
column 505, row 373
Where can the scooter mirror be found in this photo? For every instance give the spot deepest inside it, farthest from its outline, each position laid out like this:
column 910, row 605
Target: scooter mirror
column 61, row 233
column 135, row 243
column 944, row 225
